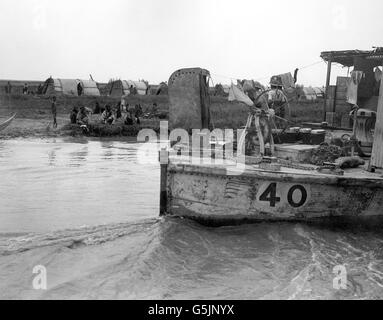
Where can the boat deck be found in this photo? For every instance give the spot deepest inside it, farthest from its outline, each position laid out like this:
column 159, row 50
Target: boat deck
column 231, row 167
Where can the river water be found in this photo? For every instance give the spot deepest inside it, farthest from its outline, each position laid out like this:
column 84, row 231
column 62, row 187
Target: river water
column 87, row 211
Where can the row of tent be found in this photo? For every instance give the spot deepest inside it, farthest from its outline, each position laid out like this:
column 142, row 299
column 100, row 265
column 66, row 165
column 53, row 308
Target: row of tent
column 115, row 88
column 70, row 87
column 119, row 88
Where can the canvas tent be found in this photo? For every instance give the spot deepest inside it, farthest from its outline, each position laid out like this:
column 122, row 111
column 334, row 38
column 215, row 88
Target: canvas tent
column 89, row 88
column 140, row 86
column 119, row 88
column 70, row 87
column 162, row 89
column 158, row 89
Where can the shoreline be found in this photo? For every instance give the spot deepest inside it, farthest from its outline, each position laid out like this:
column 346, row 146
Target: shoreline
column 40, row 128
column 34, row 117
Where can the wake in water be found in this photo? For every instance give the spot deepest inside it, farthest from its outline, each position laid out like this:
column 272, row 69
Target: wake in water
column 179, row 259
column 148, row 257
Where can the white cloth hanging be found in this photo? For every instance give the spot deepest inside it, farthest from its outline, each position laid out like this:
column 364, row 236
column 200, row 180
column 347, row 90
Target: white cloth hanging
column 236, row 94
column 378, row 74
column 352, row 86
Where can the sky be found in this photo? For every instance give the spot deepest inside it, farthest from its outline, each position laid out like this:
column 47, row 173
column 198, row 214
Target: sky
column 131, row 39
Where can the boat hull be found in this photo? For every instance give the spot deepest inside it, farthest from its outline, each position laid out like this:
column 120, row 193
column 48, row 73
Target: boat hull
column 208, row 194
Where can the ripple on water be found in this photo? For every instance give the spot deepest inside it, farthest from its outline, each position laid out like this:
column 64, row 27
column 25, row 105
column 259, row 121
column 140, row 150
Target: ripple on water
column 52, row 188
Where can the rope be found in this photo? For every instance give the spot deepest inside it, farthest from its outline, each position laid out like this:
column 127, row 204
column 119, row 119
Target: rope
column 268, row 77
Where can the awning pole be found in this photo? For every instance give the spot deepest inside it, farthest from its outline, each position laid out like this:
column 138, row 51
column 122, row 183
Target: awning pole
column 327, row 88
column 377, row 148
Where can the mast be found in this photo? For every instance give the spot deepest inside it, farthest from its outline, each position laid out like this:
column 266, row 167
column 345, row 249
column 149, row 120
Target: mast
column 327, row 87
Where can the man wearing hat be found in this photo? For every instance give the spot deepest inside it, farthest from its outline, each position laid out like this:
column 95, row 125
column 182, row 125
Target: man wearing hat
column 260, row 110
column 277, row 98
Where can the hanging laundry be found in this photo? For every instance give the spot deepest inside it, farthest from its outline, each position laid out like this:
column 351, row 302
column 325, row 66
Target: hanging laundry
column 287, row 80
column 378, row 74
column 352, row 86
column 236, row 94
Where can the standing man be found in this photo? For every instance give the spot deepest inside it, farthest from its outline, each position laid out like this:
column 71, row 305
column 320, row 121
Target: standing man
column 9, row 88
column 25, row 88
column 54, row 111
column 277, row 100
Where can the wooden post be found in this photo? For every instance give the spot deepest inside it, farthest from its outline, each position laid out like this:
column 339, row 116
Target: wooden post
column 327, row 87
column 334, row 103
column 377, row 148
column 164, row 158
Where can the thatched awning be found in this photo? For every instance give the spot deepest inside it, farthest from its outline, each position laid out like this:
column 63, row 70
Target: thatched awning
column 346, row 57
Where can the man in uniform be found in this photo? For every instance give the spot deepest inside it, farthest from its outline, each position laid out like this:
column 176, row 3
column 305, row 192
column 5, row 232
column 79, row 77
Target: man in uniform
column 277, row 99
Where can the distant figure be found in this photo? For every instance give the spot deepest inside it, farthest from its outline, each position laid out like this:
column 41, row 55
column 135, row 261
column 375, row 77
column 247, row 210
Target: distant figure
column 128, row 119
column 83, row 117
column 130, row 109
column 25, row 88
column 123, row 106
column 118, row 112
column 154, row 111
column 138, row 113
column 40, row 89
column 138, row 110
column 97, row 108
column 73, row 115
column 107, row 115
column 79, row 89
column 8, row 88
column 54, row 111
column 133, row 90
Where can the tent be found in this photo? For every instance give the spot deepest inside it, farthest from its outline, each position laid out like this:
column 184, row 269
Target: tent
column 70, row 87
column 160, row 89
column 89, row 88
column 119, row 88
column 140, row 86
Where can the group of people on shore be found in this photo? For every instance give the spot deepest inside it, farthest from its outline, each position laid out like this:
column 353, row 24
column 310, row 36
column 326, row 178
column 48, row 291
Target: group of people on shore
column 125, row 113
column 129, row 115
